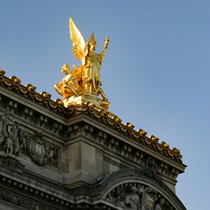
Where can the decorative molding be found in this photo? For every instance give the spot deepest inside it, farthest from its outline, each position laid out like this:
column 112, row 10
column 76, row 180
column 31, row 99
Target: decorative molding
column 12, row 163
column 44, row 99
column 23, row 196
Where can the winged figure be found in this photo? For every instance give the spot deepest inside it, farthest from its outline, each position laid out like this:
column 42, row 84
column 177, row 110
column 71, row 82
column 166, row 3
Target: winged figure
column 85, row 80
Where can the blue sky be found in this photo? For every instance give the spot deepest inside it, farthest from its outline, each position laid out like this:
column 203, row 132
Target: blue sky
column 156, row 72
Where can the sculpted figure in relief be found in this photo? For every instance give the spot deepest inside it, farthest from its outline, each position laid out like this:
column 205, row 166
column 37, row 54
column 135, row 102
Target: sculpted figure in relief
column 138, row 197
column 159, row 205
column 133, row 199
column 9, row 135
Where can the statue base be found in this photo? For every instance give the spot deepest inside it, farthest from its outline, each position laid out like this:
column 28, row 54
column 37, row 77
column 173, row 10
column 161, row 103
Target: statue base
column 87, row 98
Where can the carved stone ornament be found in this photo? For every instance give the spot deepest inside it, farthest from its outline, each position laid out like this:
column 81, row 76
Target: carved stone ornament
column 41, row 152
column 134, row 196
column 9, row 141
column 150, row 168
column 37, row 152
column 14, row 141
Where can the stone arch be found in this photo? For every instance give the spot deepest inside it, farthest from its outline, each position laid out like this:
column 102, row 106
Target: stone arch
column 129, row 189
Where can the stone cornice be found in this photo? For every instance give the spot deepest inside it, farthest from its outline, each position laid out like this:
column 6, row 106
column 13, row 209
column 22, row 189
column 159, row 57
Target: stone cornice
column 104, row 116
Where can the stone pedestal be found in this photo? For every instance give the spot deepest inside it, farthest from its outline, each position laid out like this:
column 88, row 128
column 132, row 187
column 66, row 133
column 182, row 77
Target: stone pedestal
column 87, row 98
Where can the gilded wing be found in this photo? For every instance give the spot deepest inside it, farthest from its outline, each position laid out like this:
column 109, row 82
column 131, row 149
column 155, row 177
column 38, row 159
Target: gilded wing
column 77, row 40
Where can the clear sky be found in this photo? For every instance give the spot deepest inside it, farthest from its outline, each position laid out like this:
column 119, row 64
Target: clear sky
column 156, row 72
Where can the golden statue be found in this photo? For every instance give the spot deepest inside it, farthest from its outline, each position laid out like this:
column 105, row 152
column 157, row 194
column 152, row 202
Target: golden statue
column 83, row 84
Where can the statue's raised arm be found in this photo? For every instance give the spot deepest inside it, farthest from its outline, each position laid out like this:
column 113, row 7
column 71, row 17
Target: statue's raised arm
column 106, row 43
column 83, row 83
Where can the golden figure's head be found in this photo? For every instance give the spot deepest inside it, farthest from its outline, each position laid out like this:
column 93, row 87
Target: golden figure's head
column 92, row 42
column 65, row 69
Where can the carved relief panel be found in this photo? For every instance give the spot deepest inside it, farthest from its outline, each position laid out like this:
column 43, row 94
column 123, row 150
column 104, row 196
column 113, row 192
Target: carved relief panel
column 9, row 142
column 14, row 141
column 136, row 196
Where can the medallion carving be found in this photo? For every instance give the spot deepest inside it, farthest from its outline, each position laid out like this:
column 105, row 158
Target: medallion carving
column 36, row 149
column 40, row 151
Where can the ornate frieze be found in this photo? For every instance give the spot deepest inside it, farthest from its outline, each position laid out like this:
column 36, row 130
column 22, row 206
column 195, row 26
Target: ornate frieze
column 31, row 198
column 44, row 99
column 14, row 141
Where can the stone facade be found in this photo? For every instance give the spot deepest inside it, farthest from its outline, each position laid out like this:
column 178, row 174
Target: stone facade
column 80, row 157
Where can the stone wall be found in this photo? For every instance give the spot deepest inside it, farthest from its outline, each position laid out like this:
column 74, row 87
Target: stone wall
column 66, row 159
